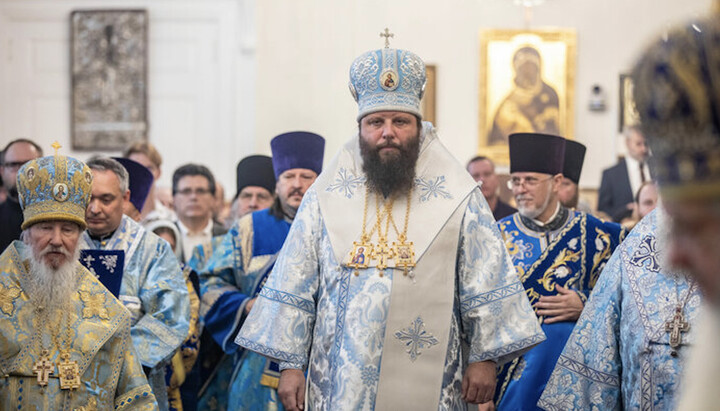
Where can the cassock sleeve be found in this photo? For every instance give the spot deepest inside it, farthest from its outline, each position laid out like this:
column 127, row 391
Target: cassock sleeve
column 497, row 319
column 223, row 304
column 587, row 374
column 165, row 302
column 280, row 325
column 133, row 391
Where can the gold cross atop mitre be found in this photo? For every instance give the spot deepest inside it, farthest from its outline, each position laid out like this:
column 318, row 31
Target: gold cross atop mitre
column 387, row 36
column 56, row 146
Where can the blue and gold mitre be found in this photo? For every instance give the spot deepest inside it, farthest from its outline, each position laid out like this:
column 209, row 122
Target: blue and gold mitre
column 677, row 94
column 387, row 80
column 54, row 188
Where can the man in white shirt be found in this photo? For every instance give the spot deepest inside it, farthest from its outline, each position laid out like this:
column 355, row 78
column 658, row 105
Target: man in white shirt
column 193, row 197
column 621, row 181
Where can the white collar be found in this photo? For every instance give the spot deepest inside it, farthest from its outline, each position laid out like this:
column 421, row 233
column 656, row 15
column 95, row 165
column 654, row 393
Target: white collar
column 206, row 231
column 551, row 219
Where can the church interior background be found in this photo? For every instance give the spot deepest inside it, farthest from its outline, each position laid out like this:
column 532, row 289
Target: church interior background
column 225, row 76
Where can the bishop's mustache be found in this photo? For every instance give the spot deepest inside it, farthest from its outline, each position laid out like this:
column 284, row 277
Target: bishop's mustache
column 295, row 191
column 388, row 144
column 55, row 249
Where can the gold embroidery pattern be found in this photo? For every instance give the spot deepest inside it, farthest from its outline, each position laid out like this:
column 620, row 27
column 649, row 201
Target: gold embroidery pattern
column 560, row 265
column 601, row 256
column 7, row 298
column 550, row 247
column 94, row 304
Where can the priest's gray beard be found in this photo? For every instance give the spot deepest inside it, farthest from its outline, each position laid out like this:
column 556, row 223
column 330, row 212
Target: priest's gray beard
column 530, row 212
column 50, row 287
column 390, row 176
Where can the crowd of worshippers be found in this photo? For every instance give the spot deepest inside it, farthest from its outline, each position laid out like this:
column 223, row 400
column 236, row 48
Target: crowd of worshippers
column 390, row 277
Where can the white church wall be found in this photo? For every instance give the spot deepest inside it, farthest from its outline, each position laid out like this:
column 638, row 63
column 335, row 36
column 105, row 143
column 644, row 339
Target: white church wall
column 225, row 76
column 305, row 49
column 200, row 75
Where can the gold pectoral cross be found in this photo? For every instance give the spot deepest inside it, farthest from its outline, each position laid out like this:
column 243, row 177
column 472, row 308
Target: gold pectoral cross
column 382, row 252
column 676, row 327
column 69, row 373
column 43, row 368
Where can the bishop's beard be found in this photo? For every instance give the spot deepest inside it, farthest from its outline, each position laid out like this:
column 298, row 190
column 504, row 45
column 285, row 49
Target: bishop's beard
column 390, row 175
column 50, row 287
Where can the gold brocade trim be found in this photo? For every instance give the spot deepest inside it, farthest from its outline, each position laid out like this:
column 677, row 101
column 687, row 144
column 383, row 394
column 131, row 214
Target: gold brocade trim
column 508, row 377
column 53, row 210
column 583, row 249
column 130, row 401
column 60, row 169
column 184, row 359
column 178, row 371
column 269, row 381
column 174, row 398
column 600, row 256
column 246, row 233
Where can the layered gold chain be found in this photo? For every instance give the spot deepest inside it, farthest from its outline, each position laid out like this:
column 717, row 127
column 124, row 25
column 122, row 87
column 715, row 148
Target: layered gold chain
column 68, row 371
column 365, row 250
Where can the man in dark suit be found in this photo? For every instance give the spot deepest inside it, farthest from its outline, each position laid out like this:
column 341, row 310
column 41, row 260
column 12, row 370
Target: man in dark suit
column 482, row 170
column 193, row 194
column 621, row 181
column 15, row 154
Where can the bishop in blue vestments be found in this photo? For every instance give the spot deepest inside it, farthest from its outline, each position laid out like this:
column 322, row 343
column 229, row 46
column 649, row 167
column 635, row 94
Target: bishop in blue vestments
column 629, row 347
column 393, row 289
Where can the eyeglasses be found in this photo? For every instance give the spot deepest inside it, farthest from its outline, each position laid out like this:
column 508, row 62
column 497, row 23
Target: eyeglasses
column 14, row 164
column 529, row 182
column 187, row 192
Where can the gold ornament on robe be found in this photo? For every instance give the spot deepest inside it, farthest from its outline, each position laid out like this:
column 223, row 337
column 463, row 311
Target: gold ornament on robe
column 7, row 298
column 94, row 305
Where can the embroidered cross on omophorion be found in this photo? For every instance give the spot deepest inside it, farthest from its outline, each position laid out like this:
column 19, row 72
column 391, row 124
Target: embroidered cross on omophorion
column 647, row 253
column 416, row 338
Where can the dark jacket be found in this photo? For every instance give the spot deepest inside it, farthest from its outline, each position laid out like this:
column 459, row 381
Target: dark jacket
column 11, row 218
column 615, row 192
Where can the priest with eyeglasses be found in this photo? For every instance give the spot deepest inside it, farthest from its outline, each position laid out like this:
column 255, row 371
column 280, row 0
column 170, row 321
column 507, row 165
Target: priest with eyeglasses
column 558, row 254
